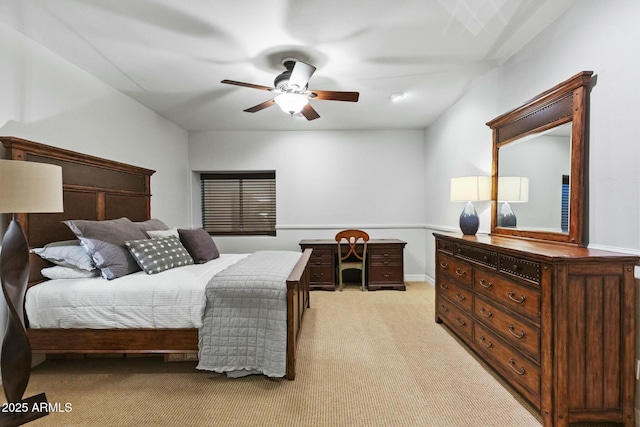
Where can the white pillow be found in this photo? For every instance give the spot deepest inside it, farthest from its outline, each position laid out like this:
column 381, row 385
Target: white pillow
column 157, row 234
column 60, row 272
column 68, row 253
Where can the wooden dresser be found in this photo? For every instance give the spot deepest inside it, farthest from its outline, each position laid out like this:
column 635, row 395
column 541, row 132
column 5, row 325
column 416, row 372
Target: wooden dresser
column 385, row 263
column 556, row 321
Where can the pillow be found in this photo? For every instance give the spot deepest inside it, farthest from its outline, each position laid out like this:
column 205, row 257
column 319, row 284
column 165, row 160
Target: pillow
column 199, row 244
column 154, row 234
column 66, row 253
column 104, row 240
column 60, row 272
column 156, row 255
column 151, row 224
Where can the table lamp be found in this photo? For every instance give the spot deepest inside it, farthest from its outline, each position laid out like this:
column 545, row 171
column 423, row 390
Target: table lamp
column 470, row 189
column 511, row 189
column 25, row 187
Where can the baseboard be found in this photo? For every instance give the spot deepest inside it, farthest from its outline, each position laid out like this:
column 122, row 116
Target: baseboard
column 415, row 277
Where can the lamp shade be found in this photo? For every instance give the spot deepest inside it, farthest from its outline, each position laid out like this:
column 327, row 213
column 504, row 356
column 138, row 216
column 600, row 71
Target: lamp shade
column 470, row 188
column 28, row 187
column 513, row 189
column 291, row 103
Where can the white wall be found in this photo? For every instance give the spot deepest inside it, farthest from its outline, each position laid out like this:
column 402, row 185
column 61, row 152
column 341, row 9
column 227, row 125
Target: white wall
column 325, row 182
column 45, row 99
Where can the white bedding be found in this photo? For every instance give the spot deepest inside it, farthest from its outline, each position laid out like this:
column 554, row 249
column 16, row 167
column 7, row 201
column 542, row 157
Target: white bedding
column 172, row 299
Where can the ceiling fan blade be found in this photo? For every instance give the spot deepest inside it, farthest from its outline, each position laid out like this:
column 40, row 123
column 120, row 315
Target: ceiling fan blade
column 309, row 112
column 259, row 107
column 300, row 76
column 250, row 85
column 329, row 95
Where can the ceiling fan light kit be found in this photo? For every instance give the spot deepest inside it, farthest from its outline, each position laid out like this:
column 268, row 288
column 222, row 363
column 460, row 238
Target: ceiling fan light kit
column 396, row 96
column 291, row 87
column 291, row 103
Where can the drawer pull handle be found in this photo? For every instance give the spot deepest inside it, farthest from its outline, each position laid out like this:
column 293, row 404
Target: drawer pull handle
column 460, row 297
column 485, row 343
column 518, row 336
column 461, row 322
column 486, row 313
column 460, row 272
column 316, row 275
column 386, row 254
column 444, row 286
column 386, row 275
column 386, row 261
column 515, row 267
column 520, row 371
column 485, row 285
column 444, row 308
column 318, row 262
column 444, row 265
column 517, row 301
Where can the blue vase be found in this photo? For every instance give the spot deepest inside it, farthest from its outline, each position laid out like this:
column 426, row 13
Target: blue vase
column 469, row 221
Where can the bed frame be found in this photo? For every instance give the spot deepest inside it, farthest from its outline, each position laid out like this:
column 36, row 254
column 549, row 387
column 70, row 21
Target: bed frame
column 100, row 189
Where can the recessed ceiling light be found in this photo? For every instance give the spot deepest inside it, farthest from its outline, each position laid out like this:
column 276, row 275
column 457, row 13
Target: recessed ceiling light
column 396, row 96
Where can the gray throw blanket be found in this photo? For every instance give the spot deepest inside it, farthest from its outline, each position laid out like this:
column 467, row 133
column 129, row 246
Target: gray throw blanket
column 244, row 327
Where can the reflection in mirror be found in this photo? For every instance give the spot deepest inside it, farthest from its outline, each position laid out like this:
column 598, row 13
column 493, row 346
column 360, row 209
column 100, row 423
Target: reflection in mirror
column 533, row 185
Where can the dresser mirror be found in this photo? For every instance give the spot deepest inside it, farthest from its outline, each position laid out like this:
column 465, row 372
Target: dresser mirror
column 538, row 165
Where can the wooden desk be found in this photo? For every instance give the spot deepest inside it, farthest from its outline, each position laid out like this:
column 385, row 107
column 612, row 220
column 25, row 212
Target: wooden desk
column 384, row 264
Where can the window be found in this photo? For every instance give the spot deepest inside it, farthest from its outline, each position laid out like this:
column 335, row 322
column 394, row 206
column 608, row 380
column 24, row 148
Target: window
column 239, row 203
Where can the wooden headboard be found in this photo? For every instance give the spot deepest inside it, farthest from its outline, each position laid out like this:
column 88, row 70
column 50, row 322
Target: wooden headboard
column 93, row 189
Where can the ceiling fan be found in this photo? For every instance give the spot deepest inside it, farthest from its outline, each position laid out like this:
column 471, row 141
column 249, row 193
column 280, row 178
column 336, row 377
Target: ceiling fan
column 292, row 91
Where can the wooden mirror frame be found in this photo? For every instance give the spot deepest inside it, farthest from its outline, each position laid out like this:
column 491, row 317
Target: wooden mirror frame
column 565, row 102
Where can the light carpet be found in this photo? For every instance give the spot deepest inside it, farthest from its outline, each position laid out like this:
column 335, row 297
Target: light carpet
column 364, row 359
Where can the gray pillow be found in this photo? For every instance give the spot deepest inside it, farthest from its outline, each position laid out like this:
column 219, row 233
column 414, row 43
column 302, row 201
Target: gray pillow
column 156, row 255
column 66, row 253
column 199, row 244
column 105, row 242
column 151, row 224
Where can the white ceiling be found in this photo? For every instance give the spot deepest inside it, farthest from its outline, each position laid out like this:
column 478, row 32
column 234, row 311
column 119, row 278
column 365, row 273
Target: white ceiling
column 171, row 55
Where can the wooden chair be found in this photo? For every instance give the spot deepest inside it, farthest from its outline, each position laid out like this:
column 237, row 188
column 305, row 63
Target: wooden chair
column 352, row 259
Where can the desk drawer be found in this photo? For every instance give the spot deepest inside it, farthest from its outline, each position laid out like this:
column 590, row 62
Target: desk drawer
column 322, row 254
column 322, row 274
column 457, row 270
column 386, row 274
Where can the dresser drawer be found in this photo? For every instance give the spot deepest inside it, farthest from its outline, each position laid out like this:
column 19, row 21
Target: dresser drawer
column 514, row 296
column 445, row 246
column 517, row 369
column 456, row 269
column 516, row 332
column 522, row 268
column 481, row 256
column 456, row 319
column 460, row 295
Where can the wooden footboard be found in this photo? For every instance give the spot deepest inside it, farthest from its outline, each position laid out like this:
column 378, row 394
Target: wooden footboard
column 91, row 341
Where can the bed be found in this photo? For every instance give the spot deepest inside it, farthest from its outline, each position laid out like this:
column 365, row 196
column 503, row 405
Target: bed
column 97, row 189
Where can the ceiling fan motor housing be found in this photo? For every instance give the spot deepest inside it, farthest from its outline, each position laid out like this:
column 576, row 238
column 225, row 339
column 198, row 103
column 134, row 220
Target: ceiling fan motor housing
column 281, row 82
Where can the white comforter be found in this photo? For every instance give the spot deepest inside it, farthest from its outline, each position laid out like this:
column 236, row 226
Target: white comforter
column 172, row 299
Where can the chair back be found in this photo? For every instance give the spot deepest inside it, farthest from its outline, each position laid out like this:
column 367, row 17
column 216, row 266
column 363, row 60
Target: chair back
column 352, row 238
